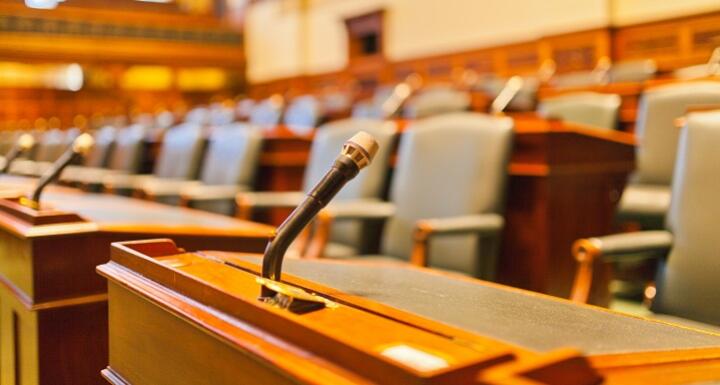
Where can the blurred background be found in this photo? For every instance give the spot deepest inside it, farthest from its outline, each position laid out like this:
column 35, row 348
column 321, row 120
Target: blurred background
column 82, row 59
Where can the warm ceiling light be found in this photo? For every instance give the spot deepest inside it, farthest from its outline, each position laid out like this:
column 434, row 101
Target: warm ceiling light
column 43, row 4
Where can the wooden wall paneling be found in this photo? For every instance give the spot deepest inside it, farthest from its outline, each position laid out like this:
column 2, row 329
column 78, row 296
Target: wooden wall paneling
column 578, row 51
column 404, row 69
column 479, row 61
column 661, row 44
column 521, row 59
column 440, row 69
column 672, row 43
column 705, row 37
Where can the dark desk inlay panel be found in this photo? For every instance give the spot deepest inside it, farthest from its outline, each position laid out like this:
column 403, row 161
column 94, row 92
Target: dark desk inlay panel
column 536, row 323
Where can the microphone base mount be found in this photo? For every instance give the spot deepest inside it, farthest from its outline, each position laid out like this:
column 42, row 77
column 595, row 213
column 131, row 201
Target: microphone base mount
column 27, row 202
column 291, row 298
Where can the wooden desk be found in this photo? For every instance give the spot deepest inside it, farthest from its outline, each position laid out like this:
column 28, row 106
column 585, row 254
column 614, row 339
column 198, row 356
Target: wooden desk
column 195, row 318
column 565, row 181
column 53, row 307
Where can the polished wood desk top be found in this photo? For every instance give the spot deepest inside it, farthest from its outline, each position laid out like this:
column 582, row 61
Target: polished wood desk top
column 463, row 322
column 118, row 214
column 113, row 213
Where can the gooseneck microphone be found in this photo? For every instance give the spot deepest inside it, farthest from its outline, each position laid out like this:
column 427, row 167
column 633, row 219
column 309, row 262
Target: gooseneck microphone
column 506, row 95
column 23, row 144
column 356, row 154
column 80, row 147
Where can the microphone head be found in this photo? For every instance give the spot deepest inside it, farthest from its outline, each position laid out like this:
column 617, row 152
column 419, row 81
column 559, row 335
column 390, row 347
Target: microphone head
column 361, row 148
column 25, row 142
column 83, row 144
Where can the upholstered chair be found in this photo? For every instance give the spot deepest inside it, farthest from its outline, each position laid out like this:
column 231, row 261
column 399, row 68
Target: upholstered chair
column 267, row 113
column 243, row 108
column 7, row 140
column 589, row 108
column 697, row 71
column 373, row 108
column 368, row 186
column 436, row 100
column 446, row 198
column 178, row 160
column 198, row 115
column 100, row 152
column 98, row 155
column 576, row 79
column 228, row 167
column 48, row 149
column 220, row 115
column 303, row 114
column 688, row 281
column 646, row 198
column 122, row 150
column 633, row 71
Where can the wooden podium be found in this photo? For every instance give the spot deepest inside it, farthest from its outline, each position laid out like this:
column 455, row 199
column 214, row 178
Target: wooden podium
column 53, row 307
column 195, row 318
column 565, row 183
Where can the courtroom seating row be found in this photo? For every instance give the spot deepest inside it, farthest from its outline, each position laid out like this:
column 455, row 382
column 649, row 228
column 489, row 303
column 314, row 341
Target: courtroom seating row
column 646, row 200
column 181, row 158
column 301, row 115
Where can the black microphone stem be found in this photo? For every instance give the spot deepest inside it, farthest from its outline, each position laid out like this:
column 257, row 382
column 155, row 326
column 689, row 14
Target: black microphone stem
column 67, row 158
column 343, row 170
column 10, row 157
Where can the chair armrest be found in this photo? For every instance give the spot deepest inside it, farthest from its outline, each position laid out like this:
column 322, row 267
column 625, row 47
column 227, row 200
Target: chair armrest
column 363, row 209
column 40, row 168
column 586, row 251
column 124, row 181
column 87, row 175
column 162, row 187
column 425, row 228
column 480, row 223
column 618, row 245
column 202, row 192
column 248, row 201
column 360, row 209
column 22, row 167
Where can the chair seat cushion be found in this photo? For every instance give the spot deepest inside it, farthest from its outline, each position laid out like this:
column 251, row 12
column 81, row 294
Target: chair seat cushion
column 336, row 250
column 645, row 199
column 686, row 322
